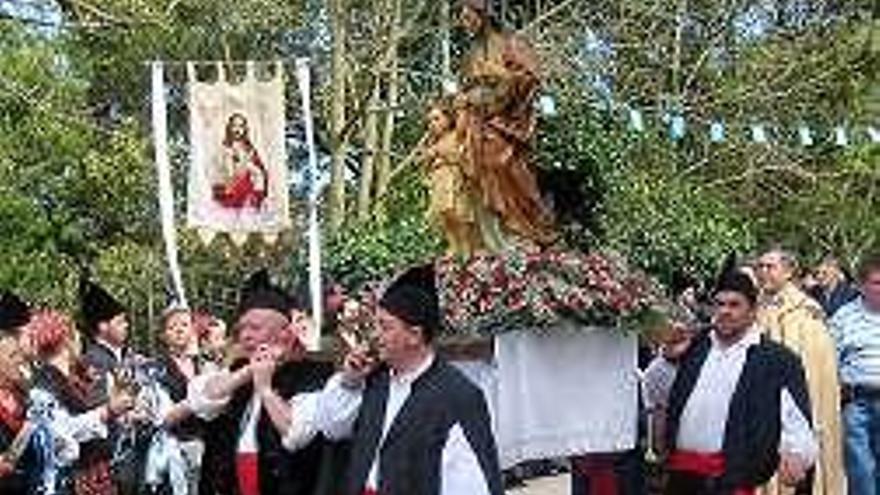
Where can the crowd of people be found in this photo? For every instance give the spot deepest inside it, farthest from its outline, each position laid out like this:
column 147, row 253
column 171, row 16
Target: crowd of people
column 771, row 386
column 787, row 356
column 82, row 413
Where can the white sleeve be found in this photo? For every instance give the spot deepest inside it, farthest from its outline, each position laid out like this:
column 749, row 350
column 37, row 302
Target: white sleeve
column 658, row 380
column 66, row 448
column 87, row 426
column 71, row 430
column 797, row 437
column 303, row 424
column 337, row 408
column 460, row 470
column 197, row 398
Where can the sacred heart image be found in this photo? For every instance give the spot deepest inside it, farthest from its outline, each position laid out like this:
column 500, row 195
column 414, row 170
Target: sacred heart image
column 238, row 173
column 241, row 177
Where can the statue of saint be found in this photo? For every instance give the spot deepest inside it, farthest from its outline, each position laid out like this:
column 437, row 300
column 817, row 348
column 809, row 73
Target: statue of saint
column 495, row 117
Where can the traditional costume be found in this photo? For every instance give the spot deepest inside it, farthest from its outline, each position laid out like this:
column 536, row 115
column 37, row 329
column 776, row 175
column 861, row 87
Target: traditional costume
column 792, row 318
column 173, row 461
column 731, row 409
column 109, row 363
column 102, row 358
column 424, row 432
column 74, row 454
column 175, row 383
column 245, row 454
column 14, row 314
column 85, row 469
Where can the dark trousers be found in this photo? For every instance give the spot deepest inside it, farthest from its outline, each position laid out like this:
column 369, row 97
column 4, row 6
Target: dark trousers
column 679, row 483
column 590, row 474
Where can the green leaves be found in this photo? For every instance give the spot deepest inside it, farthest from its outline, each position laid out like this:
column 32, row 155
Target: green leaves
column 380, row 247
column 71, row 187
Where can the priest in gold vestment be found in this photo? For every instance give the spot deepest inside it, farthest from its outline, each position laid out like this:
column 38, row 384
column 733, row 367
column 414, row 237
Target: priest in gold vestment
column 793, row 318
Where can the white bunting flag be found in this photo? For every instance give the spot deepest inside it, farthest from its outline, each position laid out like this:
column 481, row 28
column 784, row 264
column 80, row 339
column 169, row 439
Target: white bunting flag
column 759, row 134
column 716, row 131
column 636, row 122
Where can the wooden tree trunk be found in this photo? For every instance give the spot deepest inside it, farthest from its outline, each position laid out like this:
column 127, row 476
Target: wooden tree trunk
column 446, row 39
column 371, row 145
column 336, row 199
column 383, row 169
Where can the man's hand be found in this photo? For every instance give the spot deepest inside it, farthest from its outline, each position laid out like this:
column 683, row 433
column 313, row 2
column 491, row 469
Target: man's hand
column 120, row 403
column 356, row 366
column 6, row 467
column 792, row 469
column 677, row 343
column 262, row 366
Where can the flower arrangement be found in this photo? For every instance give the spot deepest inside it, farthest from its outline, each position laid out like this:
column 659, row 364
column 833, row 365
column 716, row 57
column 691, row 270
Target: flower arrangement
column 487, row 294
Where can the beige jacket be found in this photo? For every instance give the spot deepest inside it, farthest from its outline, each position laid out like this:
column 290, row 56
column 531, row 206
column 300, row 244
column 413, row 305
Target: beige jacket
column 794, row 319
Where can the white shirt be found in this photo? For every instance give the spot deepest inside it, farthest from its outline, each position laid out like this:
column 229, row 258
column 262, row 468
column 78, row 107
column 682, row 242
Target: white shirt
column 300, row 432
column 704, row 418
column 856, row 333
column 337, row 410
column 247, row 441
column 70, row 430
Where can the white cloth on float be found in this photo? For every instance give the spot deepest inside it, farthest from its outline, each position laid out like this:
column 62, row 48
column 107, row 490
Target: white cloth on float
column 560, row 392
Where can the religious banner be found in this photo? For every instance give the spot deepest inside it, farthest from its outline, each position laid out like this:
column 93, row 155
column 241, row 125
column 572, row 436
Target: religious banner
column 238, row 174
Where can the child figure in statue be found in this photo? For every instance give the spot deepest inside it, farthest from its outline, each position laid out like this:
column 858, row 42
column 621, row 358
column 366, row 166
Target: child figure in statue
column 451, row 200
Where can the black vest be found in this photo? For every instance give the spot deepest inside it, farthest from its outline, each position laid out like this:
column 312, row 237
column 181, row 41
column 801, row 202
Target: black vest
column 175, row 384
column 308, row 471
column 100, row 360
column 751, row 435
column 410, row 457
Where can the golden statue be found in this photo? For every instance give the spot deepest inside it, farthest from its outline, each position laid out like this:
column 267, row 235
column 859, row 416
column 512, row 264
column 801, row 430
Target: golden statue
column 451, row 204
column 495, row 118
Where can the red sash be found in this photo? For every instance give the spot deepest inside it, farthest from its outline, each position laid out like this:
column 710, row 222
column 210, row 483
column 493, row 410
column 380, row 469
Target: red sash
column 246, row 467
column 700, row 464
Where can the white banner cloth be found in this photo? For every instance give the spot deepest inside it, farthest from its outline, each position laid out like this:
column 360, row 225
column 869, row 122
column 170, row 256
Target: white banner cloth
column 163, row 167
column 238, row 175
column 313, row 339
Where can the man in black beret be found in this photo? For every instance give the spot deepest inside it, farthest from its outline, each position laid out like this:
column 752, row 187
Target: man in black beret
column 105, row 324
column 418, row 426
column 255, row 444
column 736, row 404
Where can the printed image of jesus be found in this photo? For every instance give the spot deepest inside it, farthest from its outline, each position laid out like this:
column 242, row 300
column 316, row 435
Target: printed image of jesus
column 243, row 180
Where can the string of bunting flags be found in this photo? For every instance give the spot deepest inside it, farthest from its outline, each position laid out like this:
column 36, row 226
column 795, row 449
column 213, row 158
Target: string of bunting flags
column 678, row 125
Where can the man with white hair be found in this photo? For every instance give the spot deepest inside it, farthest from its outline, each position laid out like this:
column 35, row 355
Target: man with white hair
column 256, row 443
column 792, row 318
